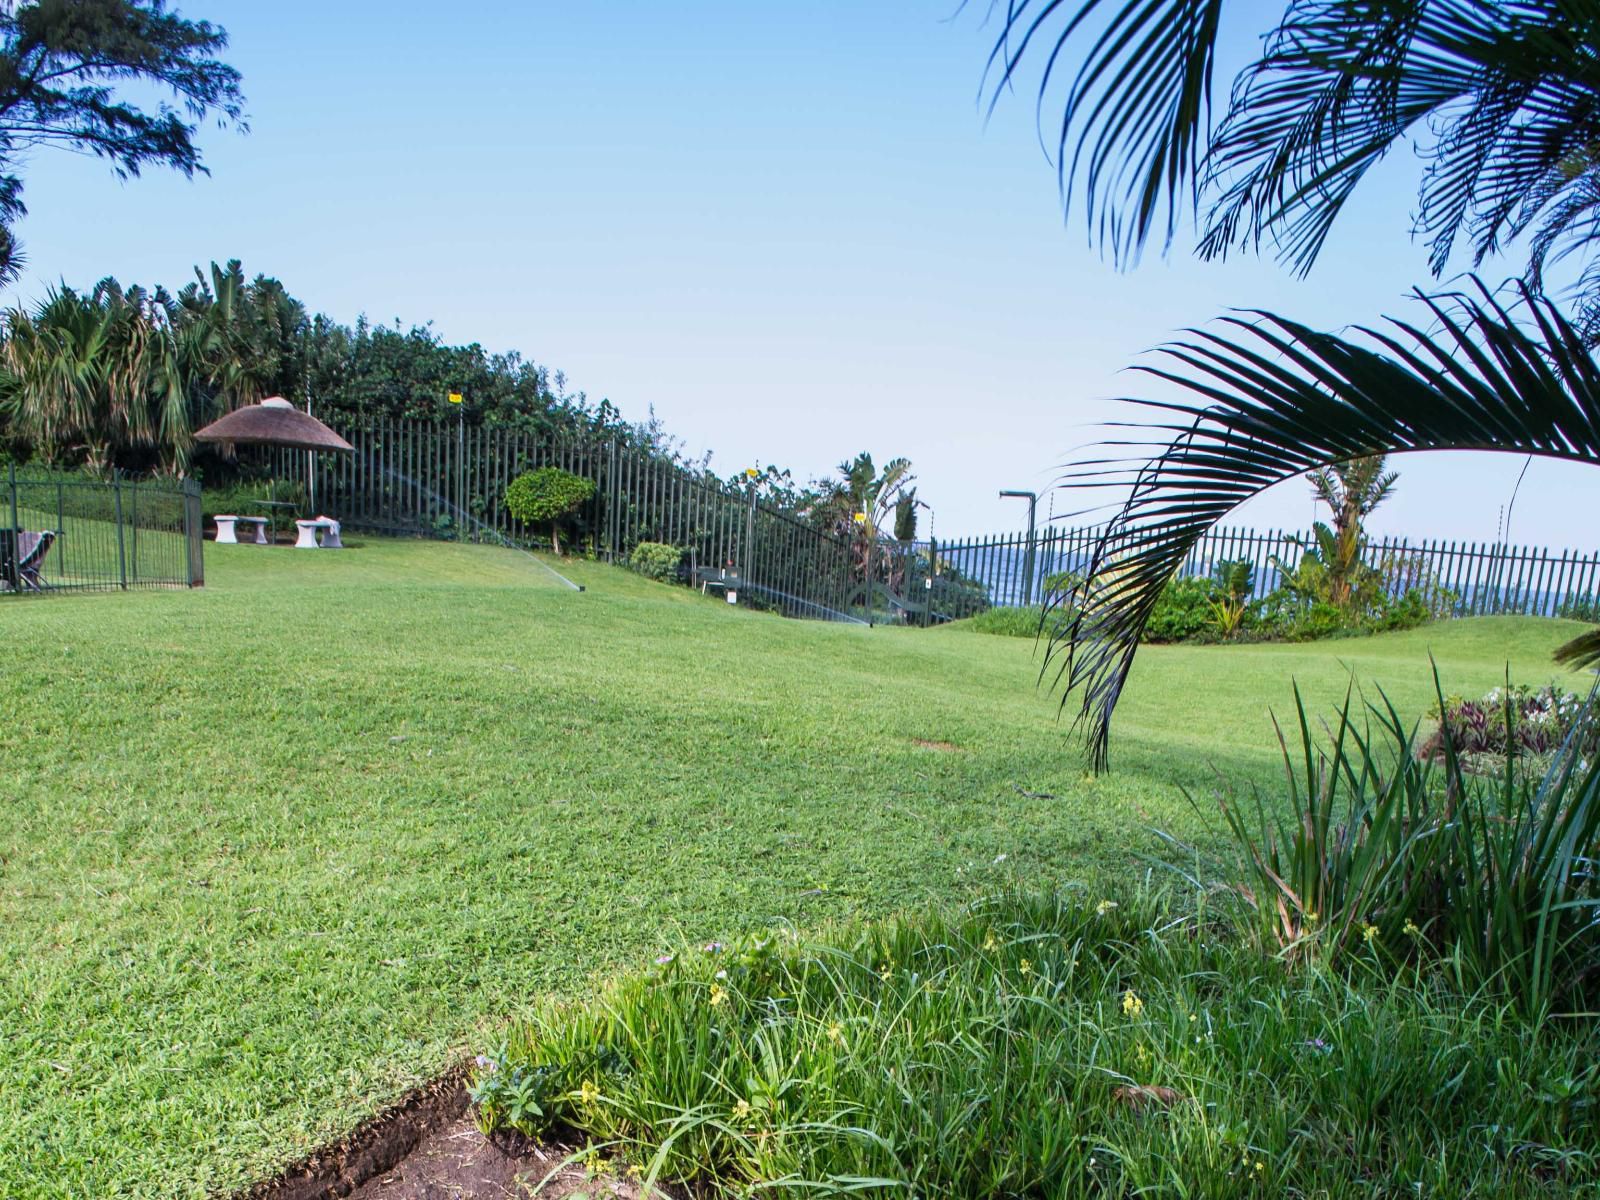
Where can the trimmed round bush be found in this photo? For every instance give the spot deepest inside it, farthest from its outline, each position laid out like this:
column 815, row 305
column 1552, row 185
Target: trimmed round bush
column 547, row 496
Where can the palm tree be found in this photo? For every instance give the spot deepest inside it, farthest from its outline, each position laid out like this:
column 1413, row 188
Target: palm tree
column 84, row 376
column 1352, row 490
column 1502, row 102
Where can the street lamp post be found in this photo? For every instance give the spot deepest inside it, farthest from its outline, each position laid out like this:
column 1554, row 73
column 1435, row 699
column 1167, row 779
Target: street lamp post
column 1027, row 561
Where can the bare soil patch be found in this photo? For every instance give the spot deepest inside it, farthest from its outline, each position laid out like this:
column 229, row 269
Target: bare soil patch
column 426, row 1147
column 946, row 747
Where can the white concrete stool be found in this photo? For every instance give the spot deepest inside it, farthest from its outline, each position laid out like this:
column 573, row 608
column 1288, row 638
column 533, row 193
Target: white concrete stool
column 307, row 539
column 225, row 534
column 330, row 534
column 260, row 523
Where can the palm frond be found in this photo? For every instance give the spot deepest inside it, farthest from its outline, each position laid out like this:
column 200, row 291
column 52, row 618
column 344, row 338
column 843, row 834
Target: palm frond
column 1136, row 115
column 1275, row 399
column 1582, row 651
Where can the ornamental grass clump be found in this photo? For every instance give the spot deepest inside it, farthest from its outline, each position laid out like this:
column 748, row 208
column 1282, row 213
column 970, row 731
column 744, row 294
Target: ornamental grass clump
column 1057, row 1045
column 1390, row 852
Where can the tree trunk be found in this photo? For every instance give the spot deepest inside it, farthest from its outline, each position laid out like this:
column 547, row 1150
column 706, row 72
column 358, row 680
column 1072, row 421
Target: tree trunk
column 555, row 538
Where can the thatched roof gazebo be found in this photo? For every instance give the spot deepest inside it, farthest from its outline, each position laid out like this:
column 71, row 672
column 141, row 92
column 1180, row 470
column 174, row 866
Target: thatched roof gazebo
column 275, row 422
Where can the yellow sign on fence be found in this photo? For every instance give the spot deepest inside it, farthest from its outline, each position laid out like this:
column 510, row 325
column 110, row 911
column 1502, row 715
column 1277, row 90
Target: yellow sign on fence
column 455, row 397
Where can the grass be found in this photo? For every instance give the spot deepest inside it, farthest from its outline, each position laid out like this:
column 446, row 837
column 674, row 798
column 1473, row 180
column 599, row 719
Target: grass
column 274, row 850
column 1051, row 1046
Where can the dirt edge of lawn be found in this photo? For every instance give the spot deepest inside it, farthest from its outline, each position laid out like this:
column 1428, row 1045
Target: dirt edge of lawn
column 373, row 1147
column 425, row 1145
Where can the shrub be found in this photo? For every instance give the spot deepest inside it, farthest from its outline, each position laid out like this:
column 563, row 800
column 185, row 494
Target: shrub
column 1391, row 854
column 1580, row 608
column 1059, row 584
column 1511, row 721
column 242, row 498
column 1182, row 612
column 656, row 560
column 1291, row 615
column 1043, row 1046
column 547, row 496
column 1009, row 622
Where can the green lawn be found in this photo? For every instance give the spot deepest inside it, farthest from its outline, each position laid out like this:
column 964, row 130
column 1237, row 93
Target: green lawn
column 272, row 851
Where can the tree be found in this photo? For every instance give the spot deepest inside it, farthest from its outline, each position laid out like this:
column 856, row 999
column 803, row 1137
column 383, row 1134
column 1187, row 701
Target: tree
column 548, row 496
column 224, row 340
column 60, row 64
column 1502, row 102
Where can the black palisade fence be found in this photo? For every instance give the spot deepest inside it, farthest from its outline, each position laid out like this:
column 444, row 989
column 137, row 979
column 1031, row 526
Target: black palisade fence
column 1468, row 578
column 437, row 480
column 434, row 479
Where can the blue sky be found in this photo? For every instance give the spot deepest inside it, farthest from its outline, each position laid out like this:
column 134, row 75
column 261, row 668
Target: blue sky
column 787, row 227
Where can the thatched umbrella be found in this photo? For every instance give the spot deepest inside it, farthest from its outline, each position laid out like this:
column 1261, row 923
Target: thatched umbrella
column 274, row 422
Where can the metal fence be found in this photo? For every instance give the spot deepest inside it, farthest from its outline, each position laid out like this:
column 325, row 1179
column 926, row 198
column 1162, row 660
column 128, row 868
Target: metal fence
column 1480, row 577
column 429, row 479
column 61, row 531
column 432, row 479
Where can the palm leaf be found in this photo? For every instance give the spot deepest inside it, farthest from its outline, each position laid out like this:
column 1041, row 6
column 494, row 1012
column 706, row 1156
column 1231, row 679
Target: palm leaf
column 1274, row 399
column 1582, row 651
column 1137, row 113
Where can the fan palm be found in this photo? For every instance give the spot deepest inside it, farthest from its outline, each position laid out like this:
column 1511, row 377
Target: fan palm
column 1501, row 99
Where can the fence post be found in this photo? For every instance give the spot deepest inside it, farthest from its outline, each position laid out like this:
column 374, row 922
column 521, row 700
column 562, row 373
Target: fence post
column 747, row 566
column 122, row 553
column 613, row 501
column 134, row 521
column 194, row 533
column 16, row 530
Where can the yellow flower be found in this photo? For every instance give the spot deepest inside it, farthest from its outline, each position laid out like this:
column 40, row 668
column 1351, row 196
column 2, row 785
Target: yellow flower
column 1412, row 929
column 1104, row 907
column 836, row 1034
column 1132, row 1006
column 1260, row 1166
column 885, row 971
column 1369, row 933
column 589, row 1092
column 741, row 1110
column 1311, row 917
column 1026, row 966
column 718, row 995
column 990, row 944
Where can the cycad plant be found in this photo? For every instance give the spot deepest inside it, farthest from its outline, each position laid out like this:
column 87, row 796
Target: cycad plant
column 1235, row 580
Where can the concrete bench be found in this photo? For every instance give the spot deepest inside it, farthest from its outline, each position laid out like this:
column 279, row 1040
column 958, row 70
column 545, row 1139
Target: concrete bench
column 260, row 523
column 308, row 531
column 225, row 535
